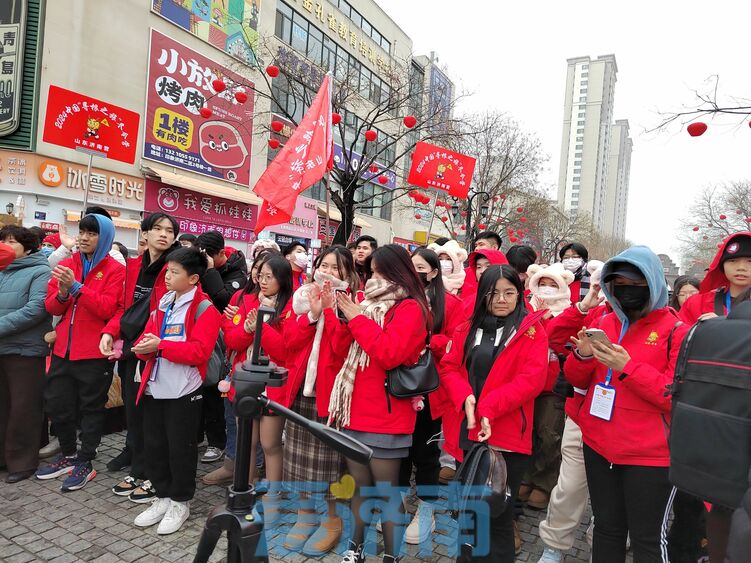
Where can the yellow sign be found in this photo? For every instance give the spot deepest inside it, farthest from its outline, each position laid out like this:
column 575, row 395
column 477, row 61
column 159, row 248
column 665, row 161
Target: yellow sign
column 181, row 137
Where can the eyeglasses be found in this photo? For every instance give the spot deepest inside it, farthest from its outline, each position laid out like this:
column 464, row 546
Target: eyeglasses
column 501, row 297
column 265, row 277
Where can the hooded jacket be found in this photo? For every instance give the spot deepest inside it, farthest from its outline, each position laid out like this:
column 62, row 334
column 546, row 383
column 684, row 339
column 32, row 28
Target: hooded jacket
column 469, row 291
column 23, row 318
column 714, row 282
column 454, row 281
column 91, row 303
column 508, row 395
column 220, row 284
column 7, row 255
column 637, row 433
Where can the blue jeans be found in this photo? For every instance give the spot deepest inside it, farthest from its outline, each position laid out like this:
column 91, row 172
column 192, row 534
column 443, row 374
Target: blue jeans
column 229, row 417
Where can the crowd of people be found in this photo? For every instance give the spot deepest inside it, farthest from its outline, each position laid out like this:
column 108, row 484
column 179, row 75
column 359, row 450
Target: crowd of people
column 562, row 367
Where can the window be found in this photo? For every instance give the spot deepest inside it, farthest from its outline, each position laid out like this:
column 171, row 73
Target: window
column 315, row 44
column 582, row 114
column 345, row 8
column 579, row 131
column 283, row 22
column 367, row 28
column 583, row 91
column 578, row 155
column 580, row 123
column 577, row 170
column 579, row 147
column 299, row 33
column 356, row 18
column 578, row 139
column 582, row 98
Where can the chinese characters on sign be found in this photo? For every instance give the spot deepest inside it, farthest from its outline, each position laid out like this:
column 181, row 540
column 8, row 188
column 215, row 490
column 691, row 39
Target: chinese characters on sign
column 197, row 213
column 442, row 169
column 179, row 85
column 77, row 121
column 12, row 38
column 229, row 26
column 354, row 161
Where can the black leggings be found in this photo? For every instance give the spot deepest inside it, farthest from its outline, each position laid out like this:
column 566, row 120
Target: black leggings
column 385, row 474
column 628, row 499
column 424, row 454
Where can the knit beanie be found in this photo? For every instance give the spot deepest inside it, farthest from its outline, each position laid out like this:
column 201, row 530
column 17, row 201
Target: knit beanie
column 260, row 244
column 559, row 301
column 454, row 281
column 53, row 239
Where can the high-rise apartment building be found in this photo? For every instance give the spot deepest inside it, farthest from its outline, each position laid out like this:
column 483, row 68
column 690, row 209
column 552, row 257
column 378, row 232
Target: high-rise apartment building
column 619, row 169
column 585, row 147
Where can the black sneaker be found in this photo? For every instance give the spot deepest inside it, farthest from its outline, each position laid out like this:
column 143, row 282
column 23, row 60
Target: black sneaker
column 82, row 473
column 125, row 487
column 120, row 461
column 143, row 494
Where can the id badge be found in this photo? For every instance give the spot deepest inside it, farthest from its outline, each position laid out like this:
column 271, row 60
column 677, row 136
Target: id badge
column 603, row 399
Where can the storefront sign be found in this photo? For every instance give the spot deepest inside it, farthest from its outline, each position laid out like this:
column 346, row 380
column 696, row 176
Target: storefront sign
column 50, row 227
column 303, row 222
column 12, row 38
column 229, row 26
column 410, row 245
column 76, row 121
column 32, row 173
column 366, row 174
column 442, row 169
column 333, row 226
column 179, row 85
column 197, row 213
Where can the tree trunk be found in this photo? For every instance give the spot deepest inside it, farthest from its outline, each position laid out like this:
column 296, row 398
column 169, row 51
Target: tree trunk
column 346, row 227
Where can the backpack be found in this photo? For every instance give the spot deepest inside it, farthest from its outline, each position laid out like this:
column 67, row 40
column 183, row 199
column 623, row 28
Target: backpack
column 218, row 366
column 710, row 436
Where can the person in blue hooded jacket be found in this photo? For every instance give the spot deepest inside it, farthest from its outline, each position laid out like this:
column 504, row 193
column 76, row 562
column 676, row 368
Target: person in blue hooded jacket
column 625, row 416
column 86, row 291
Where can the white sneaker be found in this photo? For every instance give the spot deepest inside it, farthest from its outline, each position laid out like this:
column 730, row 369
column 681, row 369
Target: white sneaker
column 422, row 525
column 154, row 513
column 550, row 555
column 212, row 454
column 174, row 519
column 50, row 449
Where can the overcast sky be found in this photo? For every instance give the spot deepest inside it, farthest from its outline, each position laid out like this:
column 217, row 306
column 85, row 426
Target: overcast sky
column 512, row 57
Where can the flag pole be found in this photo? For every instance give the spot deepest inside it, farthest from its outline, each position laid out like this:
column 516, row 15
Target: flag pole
column 432, row 218
column 328, row 207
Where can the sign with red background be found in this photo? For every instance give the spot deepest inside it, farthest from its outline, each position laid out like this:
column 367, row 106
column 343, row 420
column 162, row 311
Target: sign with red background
column 179, row 84
column 76, row 121
column 441, row 169
column 197, row 213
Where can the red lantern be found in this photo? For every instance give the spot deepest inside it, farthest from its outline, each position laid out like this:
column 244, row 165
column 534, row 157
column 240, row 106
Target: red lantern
column 503, row 196
column 520, row 232
column 218, row 85
column 455, row 233
column 523, row 219
column 482, row 226
column 272, row 71
column 206, row 113
column 496, row 198
column 426, row 199
column 464, row 227
column 241, row 97
column 513, row 238
column 274, row 143
column 413, row 194
column 748, row 219
column 696, row 129
column 418, row 216
column 723, row 217
column 463, row 213
column 277, row 126
column 510, row 231
column 444, row 218
column 336, row 119
column 520, row 209
column 374, row 168
column 696, row 229
column 370, row 135
column 705, row 237
column 410, row 121
column 383, row 180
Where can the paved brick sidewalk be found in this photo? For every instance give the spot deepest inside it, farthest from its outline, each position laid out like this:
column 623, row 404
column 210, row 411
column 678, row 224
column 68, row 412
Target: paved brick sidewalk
column 39, row 523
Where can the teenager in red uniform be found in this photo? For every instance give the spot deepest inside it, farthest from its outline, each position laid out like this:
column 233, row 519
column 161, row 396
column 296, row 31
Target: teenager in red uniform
column 309, row 337
column 625, row 417
column 495, row 368
column 297, row 255
column 275, row 291
column 728, row 277
column 389, row 328
column 479, row 261
column 574, row 257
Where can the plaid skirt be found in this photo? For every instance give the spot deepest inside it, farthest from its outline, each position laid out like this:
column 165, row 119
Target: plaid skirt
column 309, row 465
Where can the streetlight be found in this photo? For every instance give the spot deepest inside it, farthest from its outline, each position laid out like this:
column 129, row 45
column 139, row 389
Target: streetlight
column 484, row 209
column 9, row 209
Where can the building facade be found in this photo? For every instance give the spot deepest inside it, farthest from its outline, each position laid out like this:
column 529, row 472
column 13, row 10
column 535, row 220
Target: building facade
column 619, row 171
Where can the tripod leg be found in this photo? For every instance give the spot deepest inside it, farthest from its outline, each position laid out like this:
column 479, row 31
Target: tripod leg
column 206, row 545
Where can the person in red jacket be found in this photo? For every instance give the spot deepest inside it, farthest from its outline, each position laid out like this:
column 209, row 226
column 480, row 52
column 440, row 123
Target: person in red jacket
column 7, row 255
column 728, row 277
column 495, row 368
column 388, row 329
column 144, row 288
column 297, row 254
column 574, row 257
column 479, row 261
column 86, row 291
column 274, row 290
column 176, row 344
column 625, row 416
column 309, row 336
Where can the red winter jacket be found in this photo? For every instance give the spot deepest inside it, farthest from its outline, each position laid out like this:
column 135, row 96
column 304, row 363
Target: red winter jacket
column 85, row 316
column 199, row 343
column 272, row 339
column 400, row 341
column 7, row 255
column 469, row 290
column 637, row 433
column 452, row 319
column 508, row 396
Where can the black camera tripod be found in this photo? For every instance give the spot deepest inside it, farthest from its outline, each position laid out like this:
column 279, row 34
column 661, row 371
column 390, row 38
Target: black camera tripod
column 244, row 529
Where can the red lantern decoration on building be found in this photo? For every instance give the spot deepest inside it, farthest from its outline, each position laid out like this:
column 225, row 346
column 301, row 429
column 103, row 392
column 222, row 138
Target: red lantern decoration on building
column 218, row 85
column 444, row 218
column 336, row 119
column 241, row 96
column 206, row 112
column 418, row 216
column 383, row 180
column 464, row 227
column 463, row 213
column 520, row 209
column 748, row 219
column 696, row 229
column 523, row 219
column 696, row 129
column 482, row 226
column 723, row 217
column 277, row 126
column 503, row 196
column 370, row 135
column 374, row 168
column 410, row 121
column 272, row 71
column 274, row 143
column 513, row 239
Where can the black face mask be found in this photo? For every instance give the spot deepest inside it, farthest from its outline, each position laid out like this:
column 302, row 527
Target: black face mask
column 631, row 297
column 424, row 278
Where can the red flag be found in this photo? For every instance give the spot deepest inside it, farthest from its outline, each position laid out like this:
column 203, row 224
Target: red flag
column 303, row 161
column 442, row 169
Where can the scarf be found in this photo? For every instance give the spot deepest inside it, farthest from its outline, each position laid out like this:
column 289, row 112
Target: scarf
column 301, row 306
column 583, row 275
column 454, row 281
column 380, row 296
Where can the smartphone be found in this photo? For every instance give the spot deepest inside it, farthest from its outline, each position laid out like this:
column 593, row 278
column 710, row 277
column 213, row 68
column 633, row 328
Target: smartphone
column 339, row 314
column 598, row 335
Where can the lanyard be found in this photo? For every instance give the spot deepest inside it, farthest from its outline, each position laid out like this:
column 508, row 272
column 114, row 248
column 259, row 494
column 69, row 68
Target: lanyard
column 727, row 302
column 166, row 320
column 609, row 376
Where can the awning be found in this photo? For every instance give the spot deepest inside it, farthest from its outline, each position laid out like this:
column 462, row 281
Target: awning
column 75, row 216
column 334, row 215
column 199, row 185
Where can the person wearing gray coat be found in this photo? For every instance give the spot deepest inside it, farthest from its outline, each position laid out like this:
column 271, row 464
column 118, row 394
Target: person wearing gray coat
column 23, row 323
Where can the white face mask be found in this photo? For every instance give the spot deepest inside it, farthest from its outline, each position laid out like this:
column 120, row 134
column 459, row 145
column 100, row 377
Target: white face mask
column 547, row 291
column 447, row 266
column 572, row 264
column 301, row 260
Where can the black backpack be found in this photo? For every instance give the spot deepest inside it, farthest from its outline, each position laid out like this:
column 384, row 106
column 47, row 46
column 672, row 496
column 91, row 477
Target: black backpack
column 710, row 435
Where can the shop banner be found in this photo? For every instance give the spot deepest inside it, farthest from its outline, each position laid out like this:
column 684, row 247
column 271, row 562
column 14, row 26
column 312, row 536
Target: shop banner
column 76, row 121
column 303, row 222
column 442, row 169
column 179, row 85
column 197, row 213
column 11, row 71
column 366, row 174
